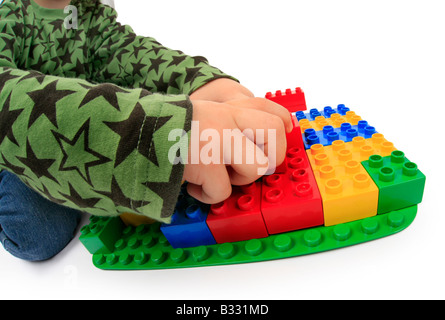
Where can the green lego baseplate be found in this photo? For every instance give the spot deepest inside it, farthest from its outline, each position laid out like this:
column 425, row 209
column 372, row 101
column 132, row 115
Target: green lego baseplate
column 118, row 247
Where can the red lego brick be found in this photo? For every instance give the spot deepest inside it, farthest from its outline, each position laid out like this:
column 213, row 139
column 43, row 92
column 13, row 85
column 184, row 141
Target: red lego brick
column 292, row 100
column 239, row 217
column 294, row 140
column 291, row 200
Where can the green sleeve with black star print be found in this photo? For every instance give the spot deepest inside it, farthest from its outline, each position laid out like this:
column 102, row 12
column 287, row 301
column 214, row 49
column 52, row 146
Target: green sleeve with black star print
column 86, row 111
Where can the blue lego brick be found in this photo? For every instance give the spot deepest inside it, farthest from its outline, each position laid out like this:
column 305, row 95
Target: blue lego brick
column 188, row 227
column 326, row 112
column 346, row 132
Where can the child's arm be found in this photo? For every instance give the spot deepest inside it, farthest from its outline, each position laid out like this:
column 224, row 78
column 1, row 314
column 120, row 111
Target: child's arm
column 97, row 148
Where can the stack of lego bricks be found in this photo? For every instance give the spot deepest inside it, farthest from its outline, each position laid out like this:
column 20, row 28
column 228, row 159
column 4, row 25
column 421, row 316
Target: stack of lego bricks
column 342, row 183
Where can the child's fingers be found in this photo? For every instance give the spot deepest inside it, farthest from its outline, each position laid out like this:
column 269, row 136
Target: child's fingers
column 246, row 161
column 215, row 187
column 266, row 106
column 267, row 130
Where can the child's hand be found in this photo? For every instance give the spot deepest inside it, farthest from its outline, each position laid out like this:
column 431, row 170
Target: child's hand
column 211, row 172
column 231, row 92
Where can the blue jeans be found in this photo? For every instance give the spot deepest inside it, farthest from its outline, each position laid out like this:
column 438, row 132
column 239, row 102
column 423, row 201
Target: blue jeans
column 31, row 227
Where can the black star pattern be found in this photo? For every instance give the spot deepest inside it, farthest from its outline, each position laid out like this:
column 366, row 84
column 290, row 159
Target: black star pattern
column 140, row 140
column 79, row 148
column 137, row 67
column 33, row 75
column 4, row 77
column 57, row 25
column 45, row 101
column 46, row 192
column 40, row 167
column 78, row 200
column 156, row 63
column 16, row 169
column 107, row 91
column 8, row 118
column 119, row 198
column 163, row 190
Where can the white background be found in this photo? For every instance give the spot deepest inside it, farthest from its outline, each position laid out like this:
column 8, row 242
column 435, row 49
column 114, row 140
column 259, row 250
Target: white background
column 383, row 59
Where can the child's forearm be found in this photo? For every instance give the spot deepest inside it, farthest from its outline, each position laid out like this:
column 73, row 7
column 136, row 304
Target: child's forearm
column 98, row 148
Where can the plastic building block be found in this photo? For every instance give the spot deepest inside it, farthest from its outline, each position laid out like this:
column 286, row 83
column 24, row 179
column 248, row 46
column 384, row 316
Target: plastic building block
column 346, row 132
column 293, row 100
column 188, row 227
column 401, row 183
column 348, row 192
column 341, row 184
column 146, row 248
column 101, row 234
column 239, row 217
column 327, row 112
column 291, row 200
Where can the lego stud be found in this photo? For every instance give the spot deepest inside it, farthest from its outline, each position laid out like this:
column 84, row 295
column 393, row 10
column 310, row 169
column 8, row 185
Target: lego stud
column 361, row 180
column 334, row 186
column 335, row 116
column 282, row 243
column 344, row 155
column 178, row 255
column 226, row 250
column 317, row 148
column 342, row 109
column 362, row 124
column 338, row 145
column 200, row 253
column 409, row 169
column 321, row 159
column 274, row 195
column 397, row 157
column 369, row 131
column 249, row 188
column 366, row 151
column 377, row 138
column 299, row 175
column 341, row 232
column 345, row 126
column 294, row 152
column 369, row 225
column 303, row 189
column 141, row 258
column 274, row 180
column 327, row 129
column 358, row 141
column 352, row 166
column 312, row 238
column 395, row 219
column 300, row 115
column 309, row 132
column 246, row 202
column 332, row 136
column 387, row 174
column 387, row 148
column 218, row 208
column 376, row 161
column 296, row 163
column 253, row 247
column 193, row 211
column 327, row 172
column 312, row 139
column 351, row 133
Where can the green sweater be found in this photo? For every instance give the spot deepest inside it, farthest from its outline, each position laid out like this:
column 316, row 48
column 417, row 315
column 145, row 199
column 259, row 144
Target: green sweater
column 86, row 112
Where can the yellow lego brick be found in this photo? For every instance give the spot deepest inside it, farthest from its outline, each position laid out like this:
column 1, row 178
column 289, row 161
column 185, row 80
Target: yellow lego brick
column 348, row 192
column 359, row 149
column 335, row 120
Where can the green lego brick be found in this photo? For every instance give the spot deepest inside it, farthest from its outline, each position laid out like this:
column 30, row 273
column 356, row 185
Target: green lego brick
column 145, row 247
column 101, row 234
column 400, row 182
